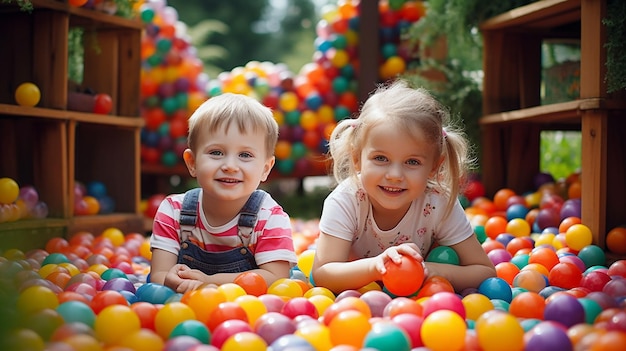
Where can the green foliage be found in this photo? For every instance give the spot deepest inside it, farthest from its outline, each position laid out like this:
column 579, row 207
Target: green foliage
column 560, row 153
column 25, row 5
column 616, row 45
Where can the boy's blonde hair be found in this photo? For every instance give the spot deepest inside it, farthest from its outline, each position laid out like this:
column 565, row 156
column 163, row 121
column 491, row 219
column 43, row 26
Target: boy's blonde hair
column 416, row 112
column 229, row 109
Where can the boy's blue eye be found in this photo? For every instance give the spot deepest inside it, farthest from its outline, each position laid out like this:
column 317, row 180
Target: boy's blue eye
column 245, row 155
column 215, row 152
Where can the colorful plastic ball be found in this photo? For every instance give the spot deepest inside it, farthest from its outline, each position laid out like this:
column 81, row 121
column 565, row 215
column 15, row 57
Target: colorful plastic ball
column 316, row 334
column 272, row 325
column 244, row 341
column 103, row 104
column 35, row 298
column 170, row 315
column 565, row 309
column 548, row 336
column 291, row 342
column 385, row 336
column 578, row 236
column 592, row 255
column 528, row 304
column 142, row 340
column 616, row 240
column 154, row 293
column 115, row 322
column 252, row 283
column 349, row 327
column 443, row 254
column 24, row 339
column 617, row 268
column 498, row 330
column 475, row 305
column 226, row 311
column 443, row 330
column 305, row 261
column 496, row 288
column 27, row 94
column 9, row 190
column 77, row 311
column 377, row 301
column 495, row 226
column 615, row 288
column 565, row 275
column 507, row 271
column 592, row 309
column 404, row 278
column 499, row 255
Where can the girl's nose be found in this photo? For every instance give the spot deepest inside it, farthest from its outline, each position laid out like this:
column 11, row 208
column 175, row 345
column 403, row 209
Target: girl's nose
column 394, row 171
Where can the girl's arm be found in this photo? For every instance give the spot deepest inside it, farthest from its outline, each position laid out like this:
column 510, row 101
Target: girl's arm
column 333, row 270
column 474, row 266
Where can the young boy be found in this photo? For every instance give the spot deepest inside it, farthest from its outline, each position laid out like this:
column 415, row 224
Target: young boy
column 226, row 226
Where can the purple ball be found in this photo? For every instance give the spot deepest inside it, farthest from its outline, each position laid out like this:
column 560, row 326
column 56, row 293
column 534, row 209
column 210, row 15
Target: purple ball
column 564, row 309
column 181, row 343
column 377, row 301
column 119, row 284
column 272, row 325
column 543, row 178
column 548, row 336
column 499, row 255
column 548, row 217
column 571, row 208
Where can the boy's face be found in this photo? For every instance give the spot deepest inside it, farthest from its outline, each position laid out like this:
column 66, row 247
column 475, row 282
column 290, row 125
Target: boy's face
column 228, row 164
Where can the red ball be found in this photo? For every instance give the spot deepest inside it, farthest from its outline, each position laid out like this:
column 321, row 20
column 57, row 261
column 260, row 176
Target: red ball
column 404, row 278
column 474, row 189
column 103, row 104
column 153, row 205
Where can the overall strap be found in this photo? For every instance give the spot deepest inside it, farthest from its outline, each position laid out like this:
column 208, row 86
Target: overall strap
column 248, row 214
column 189, row 212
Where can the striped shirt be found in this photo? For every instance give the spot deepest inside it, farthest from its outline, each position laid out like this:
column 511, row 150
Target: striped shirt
column 270, row 241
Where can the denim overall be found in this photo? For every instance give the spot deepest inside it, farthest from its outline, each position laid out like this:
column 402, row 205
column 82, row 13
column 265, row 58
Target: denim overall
column 238, row 259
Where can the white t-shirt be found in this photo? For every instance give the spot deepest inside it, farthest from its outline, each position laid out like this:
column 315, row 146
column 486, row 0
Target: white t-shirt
column 347, row 214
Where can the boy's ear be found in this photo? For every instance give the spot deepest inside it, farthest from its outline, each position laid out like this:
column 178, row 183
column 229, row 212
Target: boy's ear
column 190, row 162
column 267, row 168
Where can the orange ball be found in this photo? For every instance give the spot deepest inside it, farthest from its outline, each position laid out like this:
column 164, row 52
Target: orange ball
column 544, row 256
column 501, row 198
column 616, row 240
column 495, row 226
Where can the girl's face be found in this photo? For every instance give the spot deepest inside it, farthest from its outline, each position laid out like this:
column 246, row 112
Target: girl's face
column 228, row 164
column 395, row 167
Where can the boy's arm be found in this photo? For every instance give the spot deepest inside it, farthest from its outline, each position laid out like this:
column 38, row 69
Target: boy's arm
column 161, row 263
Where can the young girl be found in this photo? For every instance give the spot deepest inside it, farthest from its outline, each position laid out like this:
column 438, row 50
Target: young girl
column 211, row 234
column 398, row 168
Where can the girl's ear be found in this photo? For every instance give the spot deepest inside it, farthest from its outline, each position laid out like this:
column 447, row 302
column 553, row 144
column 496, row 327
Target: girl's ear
column 436, row 166
column 190, row 161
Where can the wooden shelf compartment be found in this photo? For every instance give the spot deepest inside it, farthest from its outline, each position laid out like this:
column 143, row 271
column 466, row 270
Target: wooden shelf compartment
column 31, row 233
column 34, row 152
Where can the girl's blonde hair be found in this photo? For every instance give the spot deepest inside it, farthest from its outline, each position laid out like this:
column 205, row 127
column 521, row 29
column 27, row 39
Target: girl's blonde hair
column 417, row 112
column 228, row 109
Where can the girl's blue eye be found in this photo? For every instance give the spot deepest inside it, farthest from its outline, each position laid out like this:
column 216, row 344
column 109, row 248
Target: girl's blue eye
column 414, row 162
column 245, row 155
column 380, row 158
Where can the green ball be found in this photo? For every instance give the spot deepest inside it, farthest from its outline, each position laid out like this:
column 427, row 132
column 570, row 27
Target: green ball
column 443, row 254
column 193, row 328
column 387, row 337
column 481, row 235
column 592, row 255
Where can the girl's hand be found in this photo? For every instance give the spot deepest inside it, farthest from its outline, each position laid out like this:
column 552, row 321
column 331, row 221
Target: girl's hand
column 395, row 253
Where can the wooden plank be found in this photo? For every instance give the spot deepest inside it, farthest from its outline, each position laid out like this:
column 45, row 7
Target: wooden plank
column 549, row 12
column 368, row 48
column 592, row 50
column 101, row 64
column 129, row 63
column 594, row 173
column 50, row 57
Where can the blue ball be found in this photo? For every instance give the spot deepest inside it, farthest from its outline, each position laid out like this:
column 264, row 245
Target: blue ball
column 496, row 288
column 96, row 189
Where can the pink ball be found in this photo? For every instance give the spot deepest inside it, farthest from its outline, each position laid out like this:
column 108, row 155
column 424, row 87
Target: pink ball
column 444, row 300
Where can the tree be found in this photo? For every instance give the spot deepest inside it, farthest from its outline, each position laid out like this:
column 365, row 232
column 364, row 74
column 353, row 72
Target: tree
column 250, row 31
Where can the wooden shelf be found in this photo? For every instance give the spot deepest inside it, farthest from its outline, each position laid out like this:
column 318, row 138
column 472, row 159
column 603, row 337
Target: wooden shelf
column 565, row 112
column 513, row 116
column 51, row 147
column 544, row 14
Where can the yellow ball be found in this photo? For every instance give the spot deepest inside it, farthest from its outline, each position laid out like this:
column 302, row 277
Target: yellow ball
column 9, row 190
column 37, row 298
column 115, row 235
column 578, row 236
column 27, row 94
